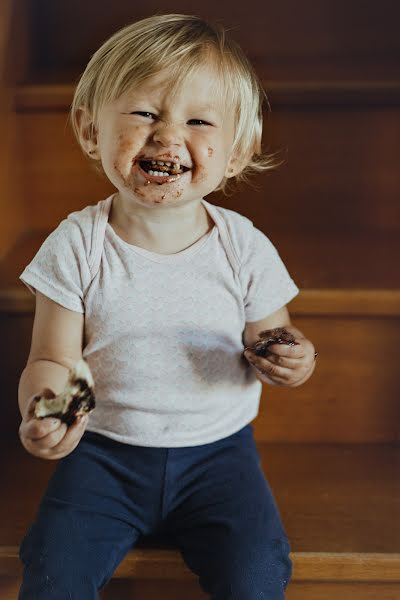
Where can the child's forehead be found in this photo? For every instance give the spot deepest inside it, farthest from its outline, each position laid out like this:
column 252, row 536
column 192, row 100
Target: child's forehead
column 202, row 87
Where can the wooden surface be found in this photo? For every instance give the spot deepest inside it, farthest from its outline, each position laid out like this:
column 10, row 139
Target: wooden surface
column 333, row 498
column 335, row 95
column 286, row 39
column 332, row 209
column 340, row 506
column 153, row 590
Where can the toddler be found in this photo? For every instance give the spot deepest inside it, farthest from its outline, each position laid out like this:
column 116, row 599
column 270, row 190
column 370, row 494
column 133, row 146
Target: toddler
column 160, row 291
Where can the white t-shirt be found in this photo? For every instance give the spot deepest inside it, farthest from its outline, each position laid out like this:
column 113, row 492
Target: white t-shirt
column 164, row 333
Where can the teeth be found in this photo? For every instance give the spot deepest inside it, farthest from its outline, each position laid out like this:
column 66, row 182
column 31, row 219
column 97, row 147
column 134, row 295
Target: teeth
column 162, row 163
column 158, row 174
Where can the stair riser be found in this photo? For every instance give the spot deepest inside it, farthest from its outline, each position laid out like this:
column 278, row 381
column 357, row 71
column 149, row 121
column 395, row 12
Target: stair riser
column 154, row 590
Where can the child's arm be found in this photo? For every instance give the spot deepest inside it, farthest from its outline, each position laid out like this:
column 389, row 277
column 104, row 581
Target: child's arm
column 56, row 347
column 284, row 364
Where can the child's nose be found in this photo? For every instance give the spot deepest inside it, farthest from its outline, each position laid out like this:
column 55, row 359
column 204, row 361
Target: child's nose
column 168, row 134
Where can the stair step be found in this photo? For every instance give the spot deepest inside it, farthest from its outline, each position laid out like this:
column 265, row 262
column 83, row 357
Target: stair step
column 167, row 564
column 339, row 503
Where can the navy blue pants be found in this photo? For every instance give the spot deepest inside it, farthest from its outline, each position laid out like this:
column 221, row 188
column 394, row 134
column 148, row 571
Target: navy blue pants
column 212, row 500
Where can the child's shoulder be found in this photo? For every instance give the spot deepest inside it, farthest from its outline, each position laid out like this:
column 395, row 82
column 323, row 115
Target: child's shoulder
column 248, row 243
column 237, row 224
column 240, row 229
column 83, row 218
column 237, row 234
column 86, row 221
column 76, row 231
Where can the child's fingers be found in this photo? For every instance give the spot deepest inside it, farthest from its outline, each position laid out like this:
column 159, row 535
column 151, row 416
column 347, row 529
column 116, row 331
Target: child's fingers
column 287, row 363
column 268, row 368
column 71, row 438
column 58, row 443
column 296, row 351
column 36, row 429
column 53, row 437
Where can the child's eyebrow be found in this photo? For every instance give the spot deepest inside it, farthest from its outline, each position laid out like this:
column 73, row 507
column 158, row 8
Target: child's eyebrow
column 214, row 108
column 206, row 106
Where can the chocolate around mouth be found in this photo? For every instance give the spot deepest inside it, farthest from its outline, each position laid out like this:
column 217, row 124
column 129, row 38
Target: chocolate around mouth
column 174, row 169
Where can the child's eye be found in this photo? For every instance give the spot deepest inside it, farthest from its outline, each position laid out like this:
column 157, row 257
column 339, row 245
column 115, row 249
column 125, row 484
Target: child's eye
column 143, row 113
column 198, row 122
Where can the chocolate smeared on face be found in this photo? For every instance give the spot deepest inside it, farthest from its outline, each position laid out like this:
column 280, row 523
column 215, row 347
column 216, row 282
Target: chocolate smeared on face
column 162, row 168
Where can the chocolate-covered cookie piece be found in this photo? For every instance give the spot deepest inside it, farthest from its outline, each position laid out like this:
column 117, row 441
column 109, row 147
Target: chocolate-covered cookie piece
column 279, row 335
column 76, row 399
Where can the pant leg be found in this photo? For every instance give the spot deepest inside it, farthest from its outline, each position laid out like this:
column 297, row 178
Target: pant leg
column 98, row 502
column 226, row 522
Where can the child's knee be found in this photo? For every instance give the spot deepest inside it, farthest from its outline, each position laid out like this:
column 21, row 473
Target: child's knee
column 264, row 573
column 53, row 569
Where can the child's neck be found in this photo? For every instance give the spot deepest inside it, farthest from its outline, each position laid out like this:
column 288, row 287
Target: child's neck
column 164, row 231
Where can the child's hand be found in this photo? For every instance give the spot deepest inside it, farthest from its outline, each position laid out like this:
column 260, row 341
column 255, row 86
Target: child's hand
column 284, row 364
column 49, row 438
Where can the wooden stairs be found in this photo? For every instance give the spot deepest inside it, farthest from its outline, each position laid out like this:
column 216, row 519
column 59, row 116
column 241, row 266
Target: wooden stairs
column 330, row 448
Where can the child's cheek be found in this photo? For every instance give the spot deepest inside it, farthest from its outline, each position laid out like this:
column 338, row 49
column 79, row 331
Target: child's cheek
column 125, row 151
column 127, row 142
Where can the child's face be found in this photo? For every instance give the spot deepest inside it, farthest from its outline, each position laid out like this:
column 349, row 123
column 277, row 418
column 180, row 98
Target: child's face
column 190, row 130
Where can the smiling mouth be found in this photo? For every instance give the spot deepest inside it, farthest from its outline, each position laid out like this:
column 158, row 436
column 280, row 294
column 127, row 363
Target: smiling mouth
column 157, row 168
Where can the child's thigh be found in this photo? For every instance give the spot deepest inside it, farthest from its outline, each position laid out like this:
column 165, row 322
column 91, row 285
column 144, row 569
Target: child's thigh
column 67, row 546
column 223, row 483
column 104, row 477
column 227, row 524
column 95, row 507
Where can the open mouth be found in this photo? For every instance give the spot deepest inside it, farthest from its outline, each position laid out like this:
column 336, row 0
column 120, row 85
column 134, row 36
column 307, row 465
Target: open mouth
column 159, row 168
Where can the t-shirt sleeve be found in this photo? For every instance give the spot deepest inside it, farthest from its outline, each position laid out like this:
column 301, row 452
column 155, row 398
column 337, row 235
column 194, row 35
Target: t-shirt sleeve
column 266, row 283
column 60, row 268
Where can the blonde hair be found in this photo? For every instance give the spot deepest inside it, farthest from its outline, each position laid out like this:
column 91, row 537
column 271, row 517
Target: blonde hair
column 178, row 44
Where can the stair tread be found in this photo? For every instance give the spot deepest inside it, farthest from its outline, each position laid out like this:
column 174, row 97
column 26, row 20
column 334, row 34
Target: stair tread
column 339, row 504
column 168, row 564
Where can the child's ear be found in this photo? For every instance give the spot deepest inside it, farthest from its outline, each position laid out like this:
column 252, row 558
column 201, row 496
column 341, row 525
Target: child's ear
column 87, row 133
column 234, row 166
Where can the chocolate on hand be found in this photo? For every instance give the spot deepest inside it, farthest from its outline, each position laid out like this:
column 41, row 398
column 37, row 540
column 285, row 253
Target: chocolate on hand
column 279, row 335
column 77, row 398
